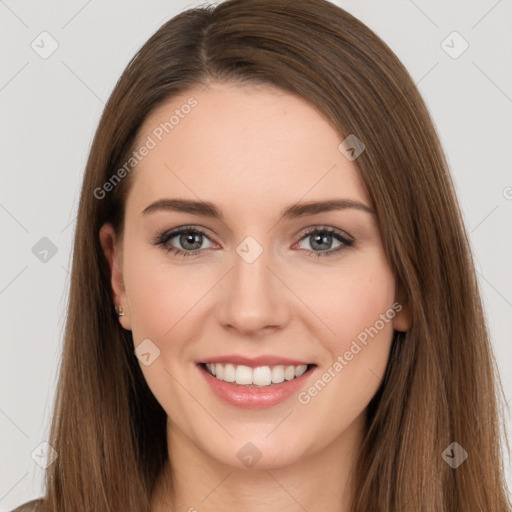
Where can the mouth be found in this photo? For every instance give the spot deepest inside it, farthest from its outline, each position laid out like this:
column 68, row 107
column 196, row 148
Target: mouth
column 255, row 385
column 258, row 376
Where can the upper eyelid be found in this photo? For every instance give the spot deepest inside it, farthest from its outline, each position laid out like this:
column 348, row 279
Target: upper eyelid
column 171, row 233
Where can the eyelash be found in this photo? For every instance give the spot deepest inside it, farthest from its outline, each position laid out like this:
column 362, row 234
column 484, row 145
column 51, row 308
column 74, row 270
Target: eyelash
column 163, row 238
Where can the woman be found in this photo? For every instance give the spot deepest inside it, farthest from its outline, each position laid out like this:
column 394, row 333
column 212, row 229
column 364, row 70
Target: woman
column 211, row 361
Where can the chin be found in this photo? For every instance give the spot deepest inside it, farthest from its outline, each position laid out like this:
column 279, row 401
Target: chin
column 256, row 452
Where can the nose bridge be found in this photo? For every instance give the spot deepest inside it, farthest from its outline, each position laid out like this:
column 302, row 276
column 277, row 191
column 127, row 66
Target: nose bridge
column 253, row 296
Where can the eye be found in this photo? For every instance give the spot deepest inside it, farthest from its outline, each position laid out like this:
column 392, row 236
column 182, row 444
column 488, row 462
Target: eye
column 188, row 237
column 322, row 239
column 191, row 239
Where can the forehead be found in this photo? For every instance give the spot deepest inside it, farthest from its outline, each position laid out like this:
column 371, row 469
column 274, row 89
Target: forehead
column 241, row 146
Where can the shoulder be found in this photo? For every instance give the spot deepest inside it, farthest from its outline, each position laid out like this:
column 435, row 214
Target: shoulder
column 30, row 506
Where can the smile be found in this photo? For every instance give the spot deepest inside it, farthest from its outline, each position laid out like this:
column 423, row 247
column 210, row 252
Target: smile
column 255, row 383
column 258, row 376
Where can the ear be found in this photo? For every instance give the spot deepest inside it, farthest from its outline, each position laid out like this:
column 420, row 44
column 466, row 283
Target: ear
column 114, row 255
column 402, row 320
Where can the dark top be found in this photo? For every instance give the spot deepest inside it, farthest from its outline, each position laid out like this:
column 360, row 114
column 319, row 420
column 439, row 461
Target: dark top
column 30, row 506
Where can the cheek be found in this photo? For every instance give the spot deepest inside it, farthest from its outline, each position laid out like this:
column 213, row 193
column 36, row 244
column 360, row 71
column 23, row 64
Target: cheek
column 160, row 295
column 350, row 299
column 159, row 300
column 359, row 309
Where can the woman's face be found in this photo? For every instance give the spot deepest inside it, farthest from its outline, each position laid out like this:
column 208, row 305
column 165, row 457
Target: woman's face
column 258, row 295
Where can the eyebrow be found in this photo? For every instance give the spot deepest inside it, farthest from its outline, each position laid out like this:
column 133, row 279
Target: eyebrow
column 290, row 212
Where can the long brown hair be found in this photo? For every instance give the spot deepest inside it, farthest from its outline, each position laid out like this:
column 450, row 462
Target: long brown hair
column 441, row 383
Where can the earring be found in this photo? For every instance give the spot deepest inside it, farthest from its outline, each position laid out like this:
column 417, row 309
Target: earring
column 120, row 311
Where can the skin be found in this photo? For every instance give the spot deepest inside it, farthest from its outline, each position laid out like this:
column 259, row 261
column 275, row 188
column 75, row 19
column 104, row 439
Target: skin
column 253, row 150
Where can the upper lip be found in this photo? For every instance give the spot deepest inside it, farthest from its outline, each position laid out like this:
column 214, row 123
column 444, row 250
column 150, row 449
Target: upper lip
column 265, row 360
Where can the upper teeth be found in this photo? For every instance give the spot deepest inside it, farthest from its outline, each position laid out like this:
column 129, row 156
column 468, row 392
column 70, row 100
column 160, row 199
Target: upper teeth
column 259, row 376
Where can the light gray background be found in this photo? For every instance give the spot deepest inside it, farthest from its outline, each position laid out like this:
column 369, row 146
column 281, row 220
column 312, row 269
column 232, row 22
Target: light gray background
column 50, row 110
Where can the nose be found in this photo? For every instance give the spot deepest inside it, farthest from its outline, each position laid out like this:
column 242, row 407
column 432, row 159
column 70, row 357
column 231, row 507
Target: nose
column 254, row 298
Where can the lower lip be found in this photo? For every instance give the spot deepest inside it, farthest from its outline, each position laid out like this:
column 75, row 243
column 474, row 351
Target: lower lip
column 254, row 397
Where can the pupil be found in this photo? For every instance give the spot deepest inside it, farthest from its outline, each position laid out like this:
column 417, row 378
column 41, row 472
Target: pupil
column 192, row 239
column 318, row 239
